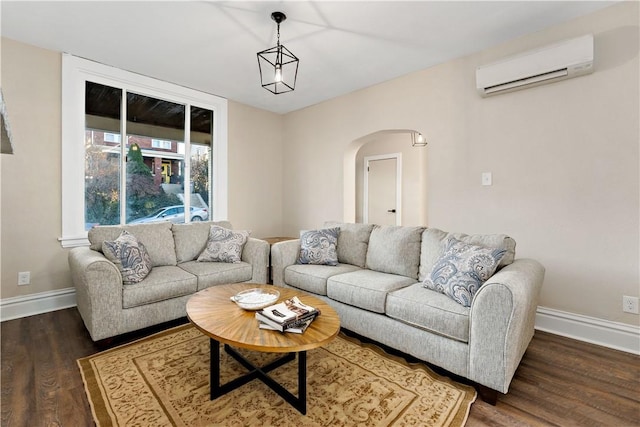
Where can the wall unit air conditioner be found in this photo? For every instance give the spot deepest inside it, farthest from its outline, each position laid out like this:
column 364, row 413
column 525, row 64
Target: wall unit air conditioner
column 564, row 60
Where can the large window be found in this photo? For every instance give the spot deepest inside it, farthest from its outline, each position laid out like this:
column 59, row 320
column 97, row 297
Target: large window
column 129, row 183
column 138, row 150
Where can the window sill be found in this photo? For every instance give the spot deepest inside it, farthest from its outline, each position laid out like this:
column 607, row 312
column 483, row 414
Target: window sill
column 74, row 242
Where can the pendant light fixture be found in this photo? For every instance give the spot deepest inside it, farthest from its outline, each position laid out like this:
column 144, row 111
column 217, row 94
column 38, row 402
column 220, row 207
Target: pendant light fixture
column 278, row 66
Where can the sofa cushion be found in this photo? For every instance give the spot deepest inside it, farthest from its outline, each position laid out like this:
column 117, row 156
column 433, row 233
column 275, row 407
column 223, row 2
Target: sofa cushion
column 218, row 273
column 162, row 283
column 319, row 247
column 395, row 250
column 130, row 256
column 191, row 239
column 462, row 269
column 429, row 310
column 224, row 245
column 434, row 240
column 313, row 278
column 365, row 289
column 156, row 237
column 353, row 242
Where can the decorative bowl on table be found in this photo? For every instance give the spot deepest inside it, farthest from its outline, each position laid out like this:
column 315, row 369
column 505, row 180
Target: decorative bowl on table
column 256, row 299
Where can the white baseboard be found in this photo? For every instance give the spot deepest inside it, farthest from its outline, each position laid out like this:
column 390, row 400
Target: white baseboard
column 43, row 302
column 618, row 336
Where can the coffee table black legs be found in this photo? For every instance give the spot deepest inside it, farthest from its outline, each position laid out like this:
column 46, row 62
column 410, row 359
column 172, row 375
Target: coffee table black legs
column 217, row 390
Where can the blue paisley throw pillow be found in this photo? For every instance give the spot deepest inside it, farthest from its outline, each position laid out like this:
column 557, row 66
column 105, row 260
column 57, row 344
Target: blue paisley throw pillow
column 224, row 245
column 319, row 247
column 462, row 269
column 130, row 256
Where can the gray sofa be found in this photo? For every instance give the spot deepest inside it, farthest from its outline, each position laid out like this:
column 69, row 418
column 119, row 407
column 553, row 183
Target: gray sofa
column 109, row 308
column 377, row 290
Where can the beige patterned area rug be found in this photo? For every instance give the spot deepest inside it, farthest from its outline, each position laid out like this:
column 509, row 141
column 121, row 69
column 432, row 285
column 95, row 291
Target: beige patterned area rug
column 163, row 380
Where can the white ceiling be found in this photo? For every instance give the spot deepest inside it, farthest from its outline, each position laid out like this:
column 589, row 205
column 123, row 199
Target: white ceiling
column 343, row 46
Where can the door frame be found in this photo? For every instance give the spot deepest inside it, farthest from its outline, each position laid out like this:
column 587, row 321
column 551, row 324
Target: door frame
column 365, row 195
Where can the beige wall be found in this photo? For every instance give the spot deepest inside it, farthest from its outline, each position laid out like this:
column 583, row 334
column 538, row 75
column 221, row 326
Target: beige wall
column 31, row 183
column 564, row 158
column 255, row 170
column 31, row 191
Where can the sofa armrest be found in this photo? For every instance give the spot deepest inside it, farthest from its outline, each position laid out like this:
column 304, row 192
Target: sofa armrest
column 283, row 254
column 256, row 253
column 502, row 321
column 98, row 284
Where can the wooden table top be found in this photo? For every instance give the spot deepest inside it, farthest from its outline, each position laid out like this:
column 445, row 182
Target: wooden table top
column 215, row 315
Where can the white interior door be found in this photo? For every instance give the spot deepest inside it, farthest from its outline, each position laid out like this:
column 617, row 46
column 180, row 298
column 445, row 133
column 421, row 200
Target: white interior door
column 382, row 190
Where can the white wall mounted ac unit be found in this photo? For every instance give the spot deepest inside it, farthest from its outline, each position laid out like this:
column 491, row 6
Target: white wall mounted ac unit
column 560, row 61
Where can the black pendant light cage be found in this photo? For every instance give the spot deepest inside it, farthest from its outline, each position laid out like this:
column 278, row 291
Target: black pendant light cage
column 278, row 66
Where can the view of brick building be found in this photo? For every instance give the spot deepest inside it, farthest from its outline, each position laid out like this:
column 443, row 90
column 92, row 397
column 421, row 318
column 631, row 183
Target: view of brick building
column 163, row 157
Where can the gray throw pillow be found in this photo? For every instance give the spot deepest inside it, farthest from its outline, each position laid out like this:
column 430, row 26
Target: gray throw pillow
column 462, row 269
column 394, row 249
column 130, row 256
column 191, row 239
column 319, row 247
column 224, row 245
column 353, row 241
column 156, row 236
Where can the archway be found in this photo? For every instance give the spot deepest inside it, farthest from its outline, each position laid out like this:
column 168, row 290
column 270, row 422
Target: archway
column 414, row 183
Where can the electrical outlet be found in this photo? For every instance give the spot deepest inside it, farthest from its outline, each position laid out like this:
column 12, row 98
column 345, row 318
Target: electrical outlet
column 24, row 278
column 630, row 304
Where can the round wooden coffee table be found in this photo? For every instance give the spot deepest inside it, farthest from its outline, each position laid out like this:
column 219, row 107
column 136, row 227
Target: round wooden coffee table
column 215, row 315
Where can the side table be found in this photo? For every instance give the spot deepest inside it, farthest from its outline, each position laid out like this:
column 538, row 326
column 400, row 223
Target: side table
column 272, row 241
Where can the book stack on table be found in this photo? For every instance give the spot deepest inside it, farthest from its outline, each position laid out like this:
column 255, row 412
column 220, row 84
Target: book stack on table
column 289, row 316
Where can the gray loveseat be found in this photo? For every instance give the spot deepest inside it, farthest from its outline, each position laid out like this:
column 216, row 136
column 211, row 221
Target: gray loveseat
column 109, row 308
column 377, row 290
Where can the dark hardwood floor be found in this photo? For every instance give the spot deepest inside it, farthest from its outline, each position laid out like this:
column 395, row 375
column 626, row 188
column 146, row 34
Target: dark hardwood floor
column 560, row 382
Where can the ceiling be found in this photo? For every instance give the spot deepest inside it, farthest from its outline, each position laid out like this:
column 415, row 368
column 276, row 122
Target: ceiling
column 343, row 46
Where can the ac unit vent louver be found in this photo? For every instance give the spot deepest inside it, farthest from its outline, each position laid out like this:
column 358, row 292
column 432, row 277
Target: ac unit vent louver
column 560, row 61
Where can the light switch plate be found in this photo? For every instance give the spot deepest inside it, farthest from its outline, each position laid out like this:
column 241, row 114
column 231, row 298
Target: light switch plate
column 487, row 178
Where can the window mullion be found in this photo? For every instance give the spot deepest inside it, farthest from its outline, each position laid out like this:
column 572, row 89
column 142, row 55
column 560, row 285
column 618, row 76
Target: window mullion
column 212, row 163
column 187, row 163
column 123, row 158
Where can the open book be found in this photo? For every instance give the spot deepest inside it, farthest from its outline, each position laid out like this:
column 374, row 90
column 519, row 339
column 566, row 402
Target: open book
column 288, row 314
